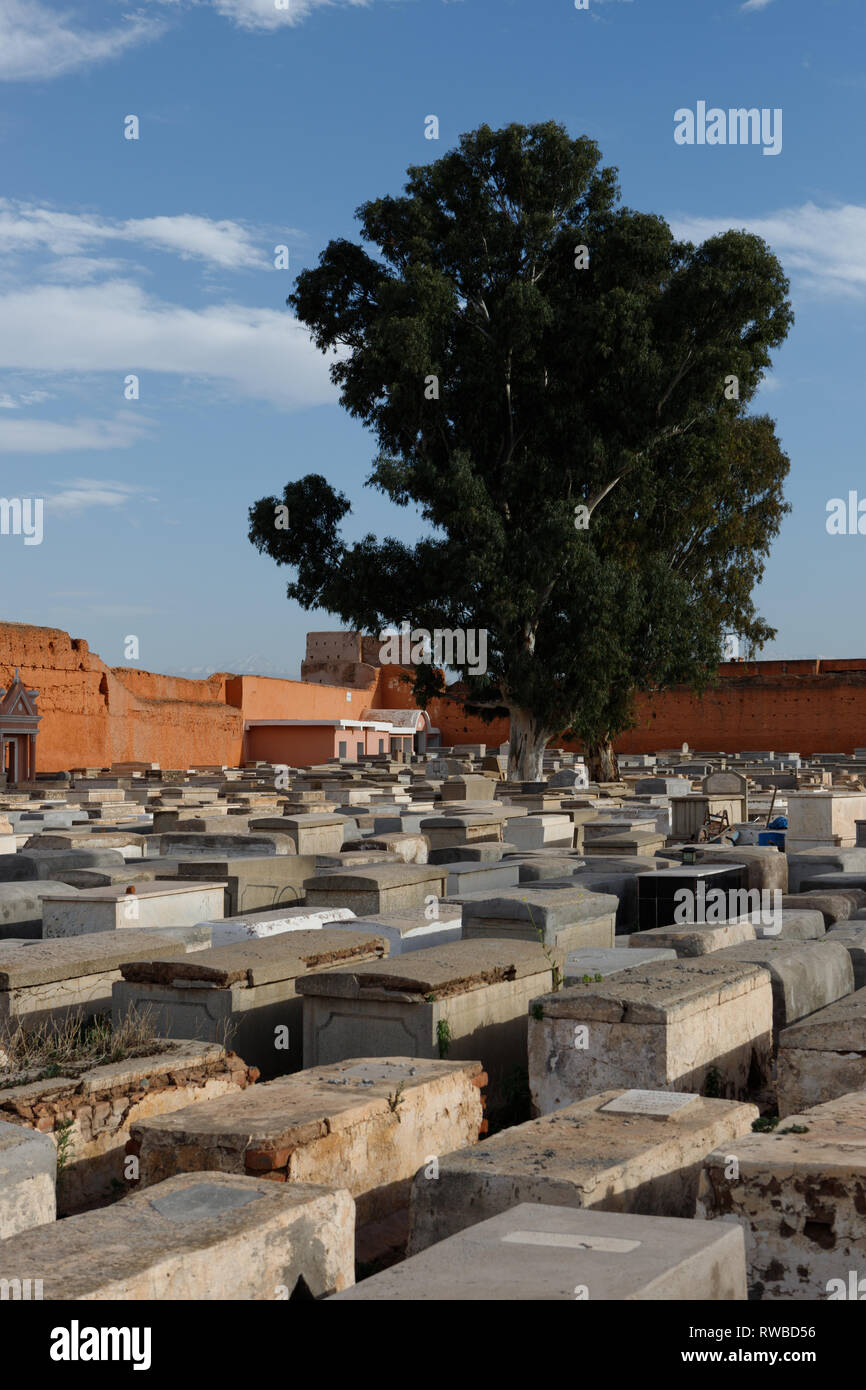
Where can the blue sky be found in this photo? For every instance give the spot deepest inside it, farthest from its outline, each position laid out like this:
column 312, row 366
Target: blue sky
column 261, row 127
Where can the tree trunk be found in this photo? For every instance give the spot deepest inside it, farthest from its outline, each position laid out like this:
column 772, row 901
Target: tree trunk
column 601, row 761
column 527, row 742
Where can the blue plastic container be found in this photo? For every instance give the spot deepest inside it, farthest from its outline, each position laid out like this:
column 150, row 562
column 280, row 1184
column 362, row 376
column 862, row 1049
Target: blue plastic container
column 772, row 837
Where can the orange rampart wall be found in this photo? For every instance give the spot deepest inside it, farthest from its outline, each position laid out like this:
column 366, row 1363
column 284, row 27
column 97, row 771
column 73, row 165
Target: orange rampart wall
column 791, row 707
column 94, row 715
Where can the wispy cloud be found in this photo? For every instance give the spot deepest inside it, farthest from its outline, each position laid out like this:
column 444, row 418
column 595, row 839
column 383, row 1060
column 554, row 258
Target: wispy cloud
column 84, row 493
column 756, row 4
column 227, row 244
column 268, row 14
column 25, row 398
column 27, row 435
column 264, row 354
column 40, row 41
column 823, row 249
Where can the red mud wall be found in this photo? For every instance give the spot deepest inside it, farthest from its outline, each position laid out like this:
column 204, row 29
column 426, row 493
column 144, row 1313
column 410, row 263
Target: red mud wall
column 816, row 706
column 94, row 715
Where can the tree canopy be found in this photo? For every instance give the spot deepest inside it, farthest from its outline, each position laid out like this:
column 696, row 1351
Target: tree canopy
column 561, row 387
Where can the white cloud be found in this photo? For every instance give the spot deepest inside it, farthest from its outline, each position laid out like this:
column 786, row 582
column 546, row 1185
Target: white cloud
column 756, row 4
column 115, row 327
column 24, row 435
column 38, row 41
column 227, row 244
column 9, row 402
column 823, row 248
column 265, row 14
column 83, row 493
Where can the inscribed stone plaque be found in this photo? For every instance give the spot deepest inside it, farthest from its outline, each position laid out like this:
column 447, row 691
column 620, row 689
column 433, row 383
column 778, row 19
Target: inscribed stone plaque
column 660, row 1103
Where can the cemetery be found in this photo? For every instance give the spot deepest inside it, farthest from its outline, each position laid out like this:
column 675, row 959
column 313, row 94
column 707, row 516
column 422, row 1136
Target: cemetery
column 389, row 1038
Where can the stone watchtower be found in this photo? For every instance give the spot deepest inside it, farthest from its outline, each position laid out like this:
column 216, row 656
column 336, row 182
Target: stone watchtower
column 19, row 725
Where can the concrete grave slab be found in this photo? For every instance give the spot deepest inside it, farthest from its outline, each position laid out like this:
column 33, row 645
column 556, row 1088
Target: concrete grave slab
column 130, row 846
column 194, row 844
column 798, row 1199
column 377, row 887
column 834, row 907
column 463, row 1000
column 545, row 1253
column 806, row 975
column 852, row 935
column 786, row 924
column 559, row 912
column 412, row 929
column 695, row 939
column 667, row 1026
column 628, row 1151
column 50, row 979
column 823, row 1056
column 368, row 1123
column 254, row 883
column 28, row 1162
column 244, row 994
column 256, row 925
column 93, row 1106
column 157, row 904
column 52, row 863
column 804, row 864
column 314, row 834
column 466, row 877
column 597, row 960
column 196, row 1237
column 21, row 906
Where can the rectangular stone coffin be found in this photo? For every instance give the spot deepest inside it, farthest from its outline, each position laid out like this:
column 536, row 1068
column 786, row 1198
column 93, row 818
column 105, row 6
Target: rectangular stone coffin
column 798, row 1197
column 809, row 863
column 823, row 1056
column 697, row 939
column 852, row 935
column 28, row 1160
column 538, row 831
column 195, row 844
column 315, row 834
column 244, row 994
column 412, row 929
column 557, row 1253
column 368, row 1123
column 560, row 912
column 196, row 1237
column 157, row 904
column 665, row 1027
column 638, row 1151
column 464, row 1000
column 94, row 1106
column 377, row 887
column 50, row 979
column 467, row 877
column 130, row 845
column 444, row 832
column 256, row 925
column 823, row 818
column 22, row 905
column 253, row 884
column 806, row 975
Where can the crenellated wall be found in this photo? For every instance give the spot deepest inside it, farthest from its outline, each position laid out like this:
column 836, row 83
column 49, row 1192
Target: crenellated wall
column 94, row 715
